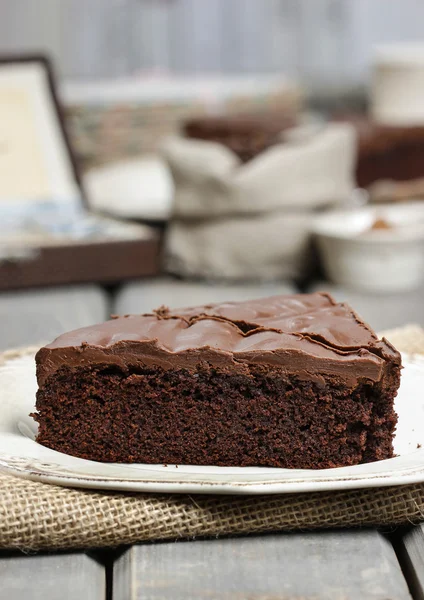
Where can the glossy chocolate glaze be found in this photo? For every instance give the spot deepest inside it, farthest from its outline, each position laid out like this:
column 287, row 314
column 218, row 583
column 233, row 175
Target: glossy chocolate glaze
column 309, row 335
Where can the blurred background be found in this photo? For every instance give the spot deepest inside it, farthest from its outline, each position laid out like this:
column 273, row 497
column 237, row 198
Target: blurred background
column 224, row 149
column 321, row 43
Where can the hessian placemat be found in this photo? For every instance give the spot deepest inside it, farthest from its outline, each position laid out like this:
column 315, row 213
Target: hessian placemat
column 37, row 516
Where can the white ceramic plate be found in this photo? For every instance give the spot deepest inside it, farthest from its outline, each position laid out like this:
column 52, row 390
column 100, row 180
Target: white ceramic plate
column 22, row 456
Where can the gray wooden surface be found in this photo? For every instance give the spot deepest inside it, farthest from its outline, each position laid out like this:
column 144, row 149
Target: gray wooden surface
column 38, row 316
column 381, row 311
column 339, row 565
column 52, row 577
column 144, row 296
column 326, row 42
column 412, row 555
column 354, row 565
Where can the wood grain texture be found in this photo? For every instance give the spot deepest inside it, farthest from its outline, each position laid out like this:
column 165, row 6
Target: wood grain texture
column 330, row 38
column 282, row 39
column 323, row 26
column 380, row 311
column 95, row 38
column 412, row 556
column 26, row 28
column 144, row 296
column 149, row 35
column 38, row 316
column 350, row 565
column 49, row 577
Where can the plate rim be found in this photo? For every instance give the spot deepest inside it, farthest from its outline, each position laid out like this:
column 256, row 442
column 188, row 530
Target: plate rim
column 403, row 475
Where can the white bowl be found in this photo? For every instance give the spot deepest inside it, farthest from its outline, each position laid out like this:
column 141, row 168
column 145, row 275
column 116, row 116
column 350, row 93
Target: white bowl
column 380, row 260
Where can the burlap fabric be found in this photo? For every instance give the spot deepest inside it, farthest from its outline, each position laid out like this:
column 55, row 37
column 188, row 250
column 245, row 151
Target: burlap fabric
column 39, row 516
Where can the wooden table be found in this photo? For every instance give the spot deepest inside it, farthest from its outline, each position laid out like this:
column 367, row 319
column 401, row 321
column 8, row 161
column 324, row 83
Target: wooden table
column 342, row 564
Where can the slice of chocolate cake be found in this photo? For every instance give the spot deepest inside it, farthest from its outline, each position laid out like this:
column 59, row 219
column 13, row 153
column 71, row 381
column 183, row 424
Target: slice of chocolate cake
column 289, row 381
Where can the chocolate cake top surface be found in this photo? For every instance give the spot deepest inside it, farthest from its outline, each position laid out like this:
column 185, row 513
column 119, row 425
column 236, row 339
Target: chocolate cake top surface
column 309, row 334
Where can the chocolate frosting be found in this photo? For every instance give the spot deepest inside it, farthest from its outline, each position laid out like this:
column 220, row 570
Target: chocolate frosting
column 309, row 335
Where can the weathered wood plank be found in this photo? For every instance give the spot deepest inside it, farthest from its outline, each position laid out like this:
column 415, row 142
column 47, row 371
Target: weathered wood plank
column 144, row 296
column 351, row 565
column 242, row 35
column 149, row 35
column 49, row 577
column 324, row 58
column 36, row 316
column 94, row 38
column 26, row 28
column 194, row 36
column 412, row 558
column 282, row 40
column 399, row 309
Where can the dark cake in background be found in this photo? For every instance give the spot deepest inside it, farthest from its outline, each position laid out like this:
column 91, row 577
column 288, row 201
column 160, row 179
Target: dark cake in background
column 391, row 136
column 246, row 135
column 289, row 381
column 387, row 152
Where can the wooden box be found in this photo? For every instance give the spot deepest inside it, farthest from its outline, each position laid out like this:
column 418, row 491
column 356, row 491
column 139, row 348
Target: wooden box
column 47, row 233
